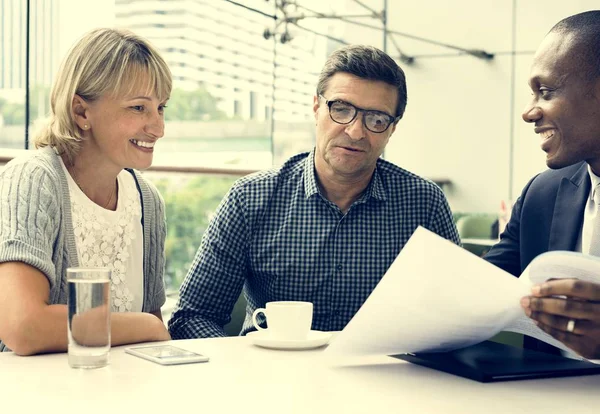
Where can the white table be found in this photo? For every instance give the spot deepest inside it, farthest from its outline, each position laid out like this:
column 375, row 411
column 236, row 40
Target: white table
column 245, row 379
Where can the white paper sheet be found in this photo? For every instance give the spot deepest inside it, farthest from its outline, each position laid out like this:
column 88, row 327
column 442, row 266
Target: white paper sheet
column 435, row 296
column 439, row 297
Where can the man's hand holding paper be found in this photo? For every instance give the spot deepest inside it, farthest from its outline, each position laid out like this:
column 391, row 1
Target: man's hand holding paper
column 569, row 310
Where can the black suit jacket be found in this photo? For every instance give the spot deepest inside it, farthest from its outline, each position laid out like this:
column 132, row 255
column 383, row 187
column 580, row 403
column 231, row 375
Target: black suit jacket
column 547, row 216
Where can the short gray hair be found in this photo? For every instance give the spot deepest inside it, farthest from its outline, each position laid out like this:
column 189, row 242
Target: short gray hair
column 366, row 62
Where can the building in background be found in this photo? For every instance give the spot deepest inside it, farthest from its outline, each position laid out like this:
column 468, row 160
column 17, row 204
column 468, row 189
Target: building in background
column 226, row 50
column 44, row 37
column 222, row 47
column 44, row 61
column 262, row 84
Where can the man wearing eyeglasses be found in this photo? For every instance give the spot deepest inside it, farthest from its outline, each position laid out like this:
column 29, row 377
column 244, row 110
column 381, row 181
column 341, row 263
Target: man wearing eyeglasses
column 326, row 225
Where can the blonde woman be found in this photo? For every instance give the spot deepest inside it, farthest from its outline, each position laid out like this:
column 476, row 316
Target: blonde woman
column 79, row 201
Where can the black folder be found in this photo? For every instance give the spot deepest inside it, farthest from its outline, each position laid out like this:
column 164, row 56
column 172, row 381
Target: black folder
column 491, row 361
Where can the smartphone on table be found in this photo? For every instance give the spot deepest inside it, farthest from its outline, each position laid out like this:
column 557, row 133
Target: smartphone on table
column 166, row 354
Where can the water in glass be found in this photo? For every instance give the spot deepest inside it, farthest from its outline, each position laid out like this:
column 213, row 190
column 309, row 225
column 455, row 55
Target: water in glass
column 88, row 317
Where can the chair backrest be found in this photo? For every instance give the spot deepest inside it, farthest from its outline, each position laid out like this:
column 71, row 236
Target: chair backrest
column 479, row 226
column 238, row 314
column 476, row 226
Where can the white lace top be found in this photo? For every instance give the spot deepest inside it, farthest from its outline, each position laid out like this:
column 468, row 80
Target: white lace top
column 112, row 239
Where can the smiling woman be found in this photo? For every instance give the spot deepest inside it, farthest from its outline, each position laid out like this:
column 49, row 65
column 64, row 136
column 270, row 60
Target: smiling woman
column 79, row 201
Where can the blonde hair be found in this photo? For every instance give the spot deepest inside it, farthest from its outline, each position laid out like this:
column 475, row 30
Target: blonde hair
column 104, row 61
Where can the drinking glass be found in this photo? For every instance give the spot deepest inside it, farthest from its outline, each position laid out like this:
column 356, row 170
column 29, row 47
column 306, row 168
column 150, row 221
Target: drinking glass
column 88, row 316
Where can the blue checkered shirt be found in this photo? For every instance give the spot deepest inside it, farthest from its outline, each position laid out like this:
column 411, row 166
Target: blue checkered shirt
column 277, row 237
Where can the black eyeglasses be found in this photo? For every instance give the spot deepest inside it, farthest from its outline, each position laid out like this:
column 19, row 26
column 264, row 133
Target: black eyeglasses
column 343, row 113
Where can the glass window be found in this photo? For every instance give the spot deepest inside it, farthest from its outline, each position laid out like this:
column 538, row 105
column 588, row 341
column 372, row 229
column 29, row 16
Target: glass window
column 187, row 221
column 240, row 98
column 13, row 17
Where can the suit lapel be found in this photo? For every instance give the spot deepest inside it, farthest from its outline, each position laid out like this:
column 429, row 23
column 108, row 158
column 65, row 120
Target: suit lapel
column 571, row 200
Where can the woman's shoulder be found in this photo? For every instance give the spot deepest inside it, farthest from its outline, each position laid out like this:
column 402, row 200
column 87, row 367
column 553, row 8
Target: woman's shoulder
column 146, row 188
column 35, row 167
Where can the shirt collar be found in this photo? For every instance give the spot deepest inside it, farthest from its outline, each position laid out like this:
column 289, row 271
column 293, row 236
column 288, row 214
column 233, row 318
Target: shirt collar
column 310, row 180
column 374, row 190
column 595, row 182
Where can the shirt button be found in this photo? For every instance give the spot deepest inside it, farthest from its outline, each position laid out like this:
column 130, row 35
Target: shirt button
column 340, row 267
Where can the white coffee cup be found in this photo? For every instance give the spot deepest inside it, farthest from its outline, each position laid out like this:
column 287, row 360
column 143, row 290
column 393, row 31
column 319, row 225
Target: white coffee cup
column 286, row 320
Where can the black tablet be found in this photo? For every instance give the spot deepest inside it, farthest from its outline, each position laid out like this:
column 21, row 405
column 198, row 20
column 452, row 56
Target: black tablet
column 491, row 361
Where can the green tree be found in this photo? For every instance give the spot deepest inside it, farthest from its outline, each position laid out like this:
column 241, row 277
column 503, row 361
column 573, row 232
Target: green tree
column 196, row 105
column 12, row 113
column 189, row 208
column 39, row 103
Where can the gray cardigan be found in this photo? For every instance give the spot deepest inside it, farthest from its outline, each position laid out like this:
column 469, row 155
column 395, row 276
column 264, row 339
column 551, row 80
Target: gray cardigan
column 36, row 226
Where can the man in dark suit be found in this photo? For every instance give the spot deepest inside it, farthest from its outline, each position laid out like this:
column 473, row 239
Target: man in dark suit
column 556, row 210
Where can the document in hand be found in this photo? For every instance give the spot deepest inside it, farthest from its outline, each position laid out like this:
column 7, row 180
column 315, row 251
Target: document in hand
column 438, row 297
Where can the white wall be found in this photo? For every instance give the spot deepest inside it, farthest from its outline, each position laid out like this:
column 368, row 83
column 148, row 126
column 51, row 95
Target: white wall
column 458, row 119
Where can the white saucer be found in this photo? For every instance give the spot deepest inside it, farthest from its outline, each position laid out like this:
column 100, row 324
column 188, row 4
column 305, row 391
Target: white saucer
column 314, row 339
